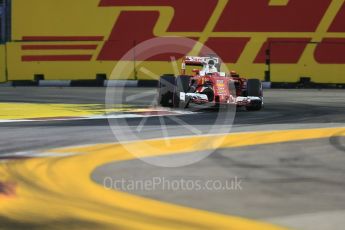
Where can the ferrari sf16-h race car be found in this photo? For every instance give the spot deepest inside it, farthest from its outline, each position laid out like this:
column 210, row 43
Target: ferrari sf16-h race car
column 209, row 86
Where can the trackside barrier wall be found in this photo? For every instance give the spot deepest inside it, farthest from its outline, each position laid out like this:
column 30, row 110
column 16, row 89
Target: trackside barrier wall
column 2, row 64
column 80, row 39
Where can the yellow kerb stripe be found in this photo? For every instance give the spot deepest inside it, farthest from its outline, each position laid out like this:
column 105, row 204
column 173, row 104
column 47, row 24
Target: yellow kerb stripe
column 59, row 188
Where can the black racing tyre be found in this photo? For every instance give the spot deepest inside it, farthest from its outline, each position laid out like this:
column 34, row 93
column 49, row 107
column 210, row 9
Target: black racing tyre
column 254, row 89
column 166, row 88
column 182, row 86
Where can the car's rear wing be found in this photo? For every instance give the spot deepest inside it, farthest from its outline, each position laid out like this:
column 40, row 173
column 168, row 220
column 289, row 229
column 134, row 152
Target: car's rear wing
column 198, row 61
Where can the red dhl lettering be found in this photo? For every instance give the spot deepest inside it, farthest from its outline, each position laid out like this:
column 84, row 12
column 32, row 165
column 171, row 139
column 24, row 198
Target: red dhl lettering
column 183, row 20
column 248, row 16
column 283, row 50
column 258, row 16
column 338, row 23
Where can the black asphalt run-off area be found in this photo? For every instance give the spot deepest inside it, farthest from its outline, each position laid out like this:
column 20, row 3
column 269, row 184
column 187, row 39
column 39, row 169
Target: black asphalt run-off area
column 294, row 184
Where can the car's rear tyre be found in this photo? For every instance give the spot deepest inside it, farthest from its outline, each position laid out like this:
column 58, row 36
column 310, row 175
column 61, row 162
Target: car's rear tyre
column 254, row 89
column 166, row 88
column 182, row 86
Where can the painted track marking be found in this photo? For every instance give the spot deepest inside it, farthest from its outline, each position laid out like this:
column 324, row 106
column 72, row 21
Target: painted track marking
column 64, row 183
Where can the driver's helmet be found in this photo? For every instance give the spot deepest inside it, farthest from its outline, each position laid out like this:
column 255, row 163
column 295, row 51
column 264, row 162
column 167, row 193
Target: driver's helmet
column 211, row 63
column 233, row 73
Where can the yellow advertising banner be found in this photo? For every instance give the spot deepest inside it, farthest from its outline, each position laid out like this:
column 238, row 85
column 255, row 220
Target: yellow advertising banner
column 79, row 39
column 3, row 77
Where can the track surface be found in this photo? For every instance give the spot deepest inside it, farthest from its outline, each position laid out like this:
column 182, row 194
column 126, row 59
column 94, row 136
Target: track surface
column 278, row 181
column 294, row 184
column 284, row 109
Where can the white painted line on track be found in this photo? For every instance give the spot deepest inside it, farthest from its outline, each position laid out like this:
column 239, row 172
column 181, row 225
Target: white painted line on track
column 35, row 154
column 98, row 117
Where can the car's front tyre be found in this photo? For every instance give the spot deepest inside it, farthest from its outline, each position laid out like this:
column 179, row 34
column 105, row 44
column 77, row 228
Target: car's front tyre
column 181, row 89
column 166, row 88
column 254, row 89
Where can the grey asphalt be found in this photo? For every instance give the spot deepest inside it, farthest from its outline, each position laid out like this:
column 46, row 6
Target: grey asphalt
column 284, row 109
column 276, row 180
column 294, row 184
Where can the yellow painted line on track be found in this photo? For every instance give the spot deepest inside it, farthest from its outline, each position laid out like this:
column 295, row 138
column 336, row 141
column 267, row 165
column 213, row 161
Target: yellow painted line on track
column 12, row 111
column 159, row 147
column 60, row 188
column 17, row 111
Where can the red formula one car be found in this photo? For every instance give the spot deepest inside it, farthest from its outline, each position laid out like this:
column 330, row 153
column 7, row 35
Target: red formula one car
column 209, row 86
